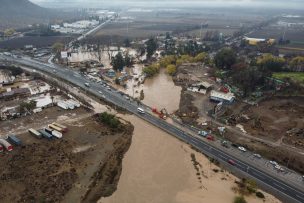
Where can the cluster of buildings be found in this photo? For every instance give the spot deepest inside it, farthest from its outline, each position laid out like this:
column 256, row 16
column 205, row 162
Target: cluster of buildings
column 225, row 97
column 77, row 27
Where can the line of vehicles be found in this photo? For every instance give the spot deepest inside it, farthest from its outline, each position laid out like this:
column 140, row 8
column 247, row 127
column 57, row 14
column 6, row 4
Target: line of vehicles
column 54, row 130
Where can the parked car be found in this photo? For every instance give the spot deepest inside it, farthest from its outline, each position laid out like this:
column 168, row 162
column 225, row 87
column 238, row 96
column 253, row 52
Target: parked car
column 202, row 133
column 273, row 163
column 234, row 145
column 242, row 149
column 210, row 137
column 225, row 144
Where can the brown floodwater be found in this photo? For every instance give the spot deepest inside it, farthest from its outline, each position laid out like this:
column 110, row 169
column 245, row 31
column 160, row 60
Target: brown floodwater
column 155, row 169
column 159, row 91
column 158, row 169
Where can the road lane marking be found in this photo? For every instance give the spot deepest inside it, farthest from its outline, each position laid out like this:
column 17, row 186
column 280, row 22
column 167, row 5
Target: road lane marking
column 256, row 174
column 300, row 197
column 282, row 188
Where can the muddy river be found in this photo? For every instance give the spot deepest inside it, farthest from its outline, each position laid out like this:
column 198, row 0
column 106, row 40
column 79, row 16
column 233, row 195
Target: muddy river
column 158, row 169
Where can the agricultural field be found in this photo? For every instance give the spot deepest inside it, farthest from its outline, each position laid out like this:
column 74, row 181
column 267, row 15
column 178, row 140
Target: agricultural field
column 297, row 77
column 154, row 22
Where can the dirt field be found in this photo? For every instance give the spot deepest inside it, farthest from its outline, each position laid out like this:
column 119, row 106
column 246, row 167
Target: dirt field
column 280, row 119
column 193, row 107
column 68, row 169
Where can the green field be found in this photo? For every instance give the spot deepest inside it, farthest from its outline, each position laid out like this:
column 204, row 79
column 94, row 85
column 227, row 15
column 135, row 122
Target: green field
column 298, row 77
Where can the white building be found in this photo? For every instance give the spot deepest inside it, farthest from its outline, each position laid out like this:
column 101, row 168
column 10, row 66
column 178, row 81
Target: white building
column 222, row 97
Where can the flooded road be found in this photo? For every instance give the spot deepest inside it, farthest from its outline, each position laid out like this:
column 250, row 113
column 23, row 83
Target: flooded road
column 159, row 169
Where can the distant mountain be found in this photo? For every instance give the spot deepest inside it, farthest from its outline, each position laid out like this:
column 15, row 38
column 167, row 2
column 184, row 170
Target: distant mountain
column 20, row 13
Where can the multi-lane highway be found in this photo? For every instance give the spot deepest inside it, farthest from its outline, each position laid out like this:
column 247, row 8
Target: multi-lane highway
column 287, row 190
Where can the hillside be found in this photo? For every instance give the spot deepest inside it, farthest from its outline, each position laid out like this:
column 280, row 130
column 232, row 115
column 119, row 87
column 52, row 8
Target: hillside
column 20, row 13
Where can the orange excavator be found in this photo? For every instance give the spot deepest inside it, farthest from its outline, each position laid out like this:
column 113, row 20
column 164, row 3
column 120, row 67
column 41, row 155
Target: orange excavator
column 163, row 113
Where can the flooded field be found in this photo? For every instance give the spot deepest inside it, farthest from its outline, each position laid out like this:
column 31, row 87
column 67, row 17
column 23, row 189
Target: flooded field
column 160, row 169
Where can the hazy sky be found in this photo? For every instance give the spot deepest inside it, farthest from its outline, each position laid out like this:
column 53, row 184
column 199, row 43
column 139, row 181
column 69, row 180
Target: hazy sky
column 298, row 4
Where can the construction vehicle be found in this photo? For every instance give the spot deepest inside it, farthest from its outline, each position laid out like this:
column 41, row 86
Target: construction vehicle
column 162, row 113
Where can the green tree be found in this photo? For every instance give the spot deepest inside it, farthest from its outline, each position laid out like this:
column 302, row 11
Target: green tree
column 142, row 95
column 179, row 62
column 127, row 42
column 248, row 79
column 239, row 199
column 270, row 63
column 118, row 62
column 225, row 58
column 128, row 60
column 171, row 69
column 187, row 58
column 151, row 70
column 202, row 57
column 109, row 119
column 57, row 47
column 167, row 60
column 297, row 63
column 260, row 195
column 251, row 186
column 117, row 82
column 151, row 47
column 27, row 106
column 9, row 32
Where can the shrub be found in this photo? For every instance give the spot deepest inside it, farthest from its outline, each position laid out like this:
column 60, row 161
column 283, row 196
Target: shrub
column 171, row 69
column 260, row 195
column 109, row 119
column 202, row 57
column 239, row 199
column 167, row 60
column 151, row 70
column 251, row 186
